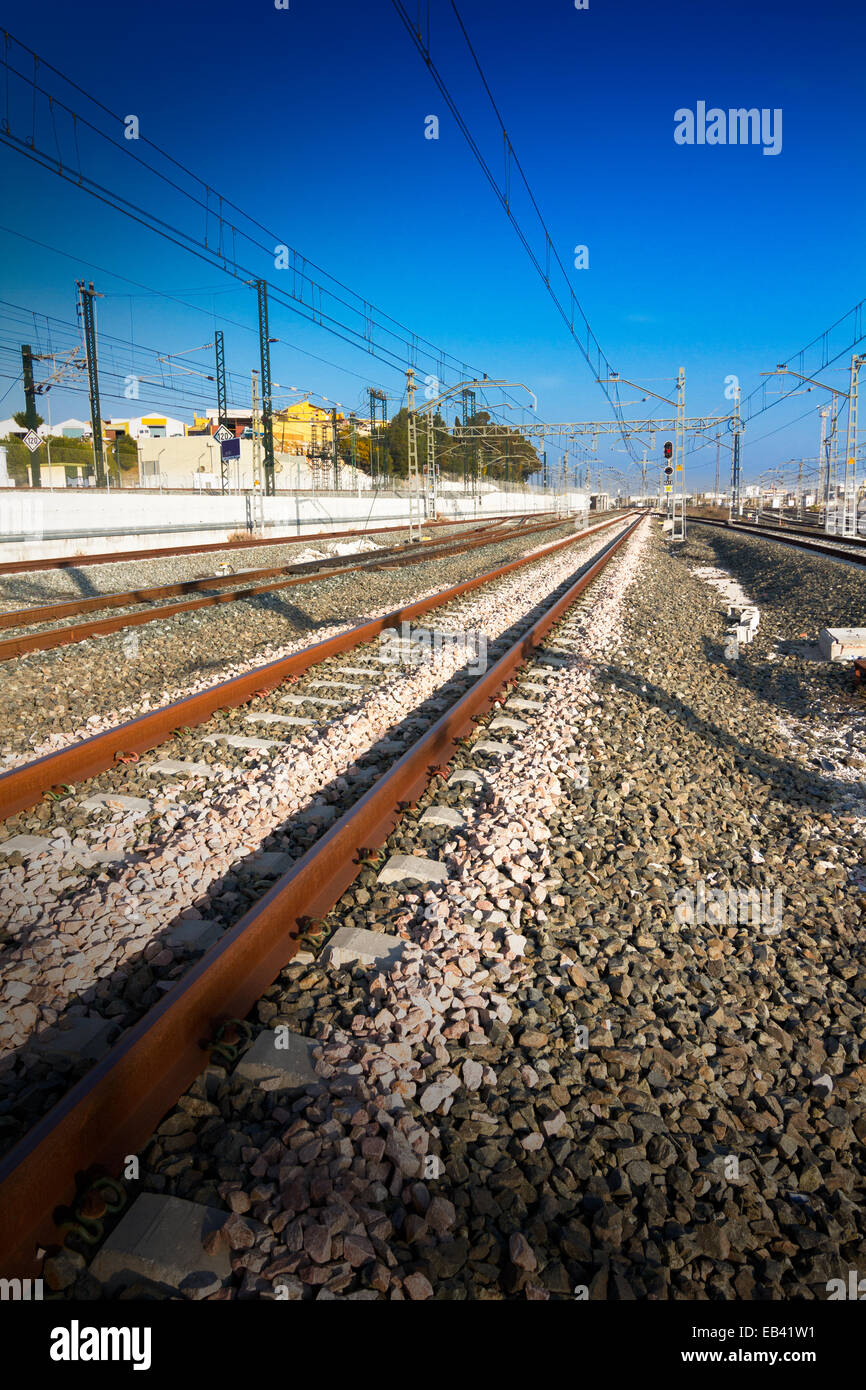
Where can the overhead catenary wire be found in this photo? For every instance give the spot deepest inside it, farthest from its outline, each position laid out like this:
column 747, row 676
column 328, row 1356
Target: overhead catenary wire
column 601, row 367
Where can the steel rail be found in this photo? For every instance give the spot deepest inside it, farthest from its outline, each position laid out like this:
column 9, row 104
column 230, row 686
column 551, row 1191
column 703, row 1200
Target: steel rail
column 814, row 547
column 21, row 787
column 50, row 638
column 118, row 557
column 114, row 1109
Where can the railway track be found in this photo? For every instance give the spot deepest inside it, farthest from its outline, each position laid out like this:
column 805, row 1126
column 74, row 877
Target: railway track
column 815, row 544
column 24, row 785
column 115, row 1107
column 47, row 638
column 114, row 557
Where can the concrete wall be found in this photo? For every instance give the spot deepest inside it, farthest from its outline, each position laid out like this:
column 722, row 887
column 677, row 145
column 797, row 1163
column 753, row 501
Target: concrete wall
column 37, row 525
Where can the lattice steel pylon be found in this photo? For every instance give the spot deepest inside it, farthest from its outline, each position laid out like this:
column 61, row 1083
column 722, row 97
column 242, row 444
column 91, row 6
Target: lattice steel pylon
column 415, row 504
column 678, row 496
column 88, row 316
column 222, row 402
column 267, row 398
column 430, row 471
column 849, row 491
column 259, row 510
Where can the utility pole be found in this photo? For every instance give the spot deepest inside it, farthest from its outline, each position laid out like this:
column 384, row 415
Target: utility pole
column 222, row 404
column 335, row 457
column 267, row 402
column 718, row 458
column 30, row 414
column 736, row 503
column 430, row 470
column 643, row 476
column 257, row 458
column 849, row 493
column 88, row 315
column 678, row 496
column 413, row 477
column 378, row 410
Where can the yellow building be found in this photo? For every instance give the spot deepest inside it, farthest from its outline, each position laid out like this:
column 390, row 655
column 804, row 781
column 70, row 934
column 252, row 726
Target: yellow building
column 300, row 427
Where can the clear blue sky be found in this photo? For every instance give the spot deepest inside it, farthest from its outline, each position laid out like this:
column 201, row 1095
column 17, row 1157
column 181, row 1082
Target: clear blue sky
column 719, row 259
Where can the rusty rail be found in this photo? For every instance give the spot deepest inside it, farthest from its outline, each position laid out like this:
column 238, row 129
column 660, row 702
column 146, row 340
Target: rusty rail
column 51, row 638
column 114, row 1109
column 814, row 547
column 23, row 786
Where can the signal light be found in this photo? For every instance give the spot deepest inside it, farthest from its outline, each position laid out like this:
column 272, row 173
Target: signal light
column 669, row 449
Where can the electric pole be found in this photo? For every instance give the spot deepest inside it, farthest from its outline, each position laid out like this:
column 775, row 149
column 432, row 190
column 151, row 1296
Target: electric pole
column 222, row 406
column 257, row 458
column 267, row 403
column 849, row 493
column 31, row 418
column 413, row 477
column 88, row 316
column 335, row 457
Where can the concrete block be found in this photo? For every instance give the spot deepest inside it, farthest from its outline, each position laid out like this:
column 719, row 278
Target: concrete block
column 172, row 767
column 85, row 1039
column 360, row 671
column 243, row 741
column 512, row 726
column 25, row 844
column 293, row 721
column 161, row 1239
column 842, row 643
column 535, row 687
column 442, row 815
column 290, row 1065
column 401, row 867
column 355, row 946
column 489, row 745
column 114, row 802
column 465, row 774
column 518, row 702
column 551, row 659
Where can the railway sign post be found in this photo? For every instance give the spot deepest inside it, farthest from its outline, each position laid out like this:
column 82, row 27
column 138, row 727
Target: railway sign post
column 33, row 442
column 222, row 434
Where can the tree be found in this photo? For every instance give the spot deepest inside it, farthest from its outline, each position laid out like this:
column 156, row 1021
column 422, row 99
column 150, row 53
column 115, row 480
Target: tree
column 26, row 420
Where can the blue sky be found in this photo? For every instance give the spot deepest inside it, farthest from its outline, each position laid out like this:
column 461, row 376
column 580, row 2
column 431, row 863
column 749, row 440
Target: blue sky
column 719, row 259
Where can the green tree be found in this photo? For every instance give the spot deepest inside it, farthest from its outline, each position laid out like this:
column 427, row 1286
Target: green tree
column 26, row 421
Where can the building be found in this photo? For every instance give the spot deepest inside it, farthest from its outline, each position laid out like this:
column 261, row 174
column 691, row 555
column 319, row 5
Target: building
column 146, row 427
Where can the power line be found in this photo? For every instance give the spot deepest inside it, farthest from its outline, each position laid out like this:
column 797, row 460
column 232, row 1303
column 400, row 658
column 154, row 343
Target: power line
column 590, row 350
column 324, row 301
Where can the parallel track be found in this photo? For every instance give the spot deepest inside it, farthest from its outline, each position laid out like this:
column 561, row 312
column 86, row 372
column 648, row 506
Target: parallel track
column 113, row 1110
column 48, row 638
column 846, row 551
column 23, row 786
